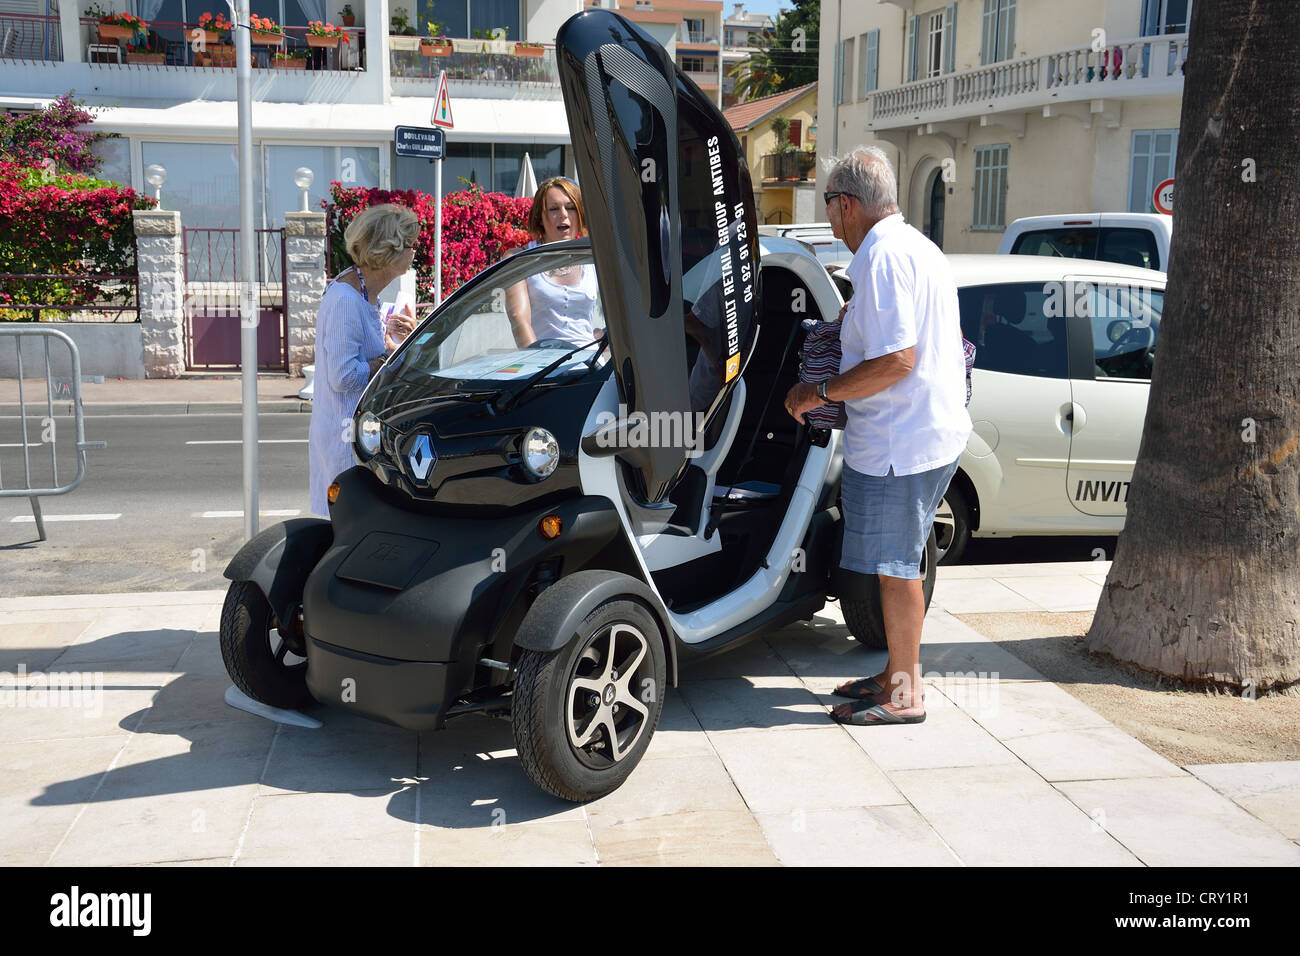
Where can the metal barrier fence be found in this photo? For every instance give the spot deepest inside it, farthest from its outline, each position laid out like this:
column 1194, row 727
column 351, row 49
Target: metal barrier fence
column 69, row 389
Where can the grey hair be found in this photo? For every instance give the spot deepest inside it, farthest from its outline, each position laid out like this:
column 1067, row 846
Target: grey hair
column 865, row 172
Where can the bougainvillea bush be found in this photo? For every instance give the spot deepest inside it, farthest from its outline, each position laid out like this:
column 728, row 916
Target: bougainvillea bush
column 69, row 225
column 54, row 138
column 477, row 227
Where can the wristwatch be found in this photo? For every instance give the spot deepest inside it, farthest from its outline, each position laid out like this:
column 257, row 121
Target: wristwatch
column 821, row 391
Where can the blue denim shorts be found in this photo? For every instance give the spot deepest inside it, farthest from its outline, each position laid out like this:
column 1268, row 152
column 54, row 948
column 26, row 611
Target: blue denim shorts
column 887, row 519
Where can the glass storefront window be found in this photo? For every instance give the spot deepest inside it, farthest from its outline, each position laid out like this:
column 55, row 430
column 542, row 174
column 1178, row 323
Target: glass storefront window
column 349, row 165
column 202, row 182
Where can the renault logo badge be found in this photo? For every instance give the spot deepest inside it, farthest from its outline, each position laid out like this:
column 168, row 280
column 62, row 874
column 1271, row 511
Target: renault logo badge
column 421, row 457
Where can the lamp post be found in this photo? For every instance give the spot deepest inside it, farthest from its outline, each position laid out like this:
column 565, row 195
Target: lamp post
column 155, row 176
column 303, row 178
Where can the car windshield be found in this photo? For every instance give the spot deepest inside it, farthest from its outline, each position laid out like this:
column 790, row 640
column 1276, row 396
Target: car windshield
column 509, row 325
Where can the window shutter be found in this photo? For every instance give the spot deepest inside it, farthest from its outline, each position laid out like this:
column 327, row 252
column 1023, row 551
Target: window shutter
column 1009, row 46
column 913, row 31
column 988, row 32
column 871, row 69
column 796, row 132
column 950, row 38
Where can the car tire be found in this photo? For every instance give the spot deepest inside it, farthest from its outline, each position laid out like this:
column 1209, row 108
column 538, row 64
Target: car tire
column 260, row 660
column 864, row 617
column 579, row 731
column 952, row 525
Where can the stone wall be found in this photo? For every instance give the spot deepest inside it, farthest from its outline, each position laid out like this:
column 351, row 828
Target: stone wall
column 304, row 274
column 161, row 264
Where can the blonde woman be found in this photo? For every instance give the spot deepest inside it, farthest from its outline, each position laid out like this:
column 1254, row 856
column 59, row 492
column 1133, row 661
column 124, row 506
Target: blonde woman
column 351, row 341
column 559, row 304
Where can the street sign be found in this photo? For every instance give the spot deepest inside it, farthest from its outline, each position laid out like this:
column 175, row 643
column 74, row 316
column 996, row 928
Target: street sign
column 442, row 104
column 1163, row 198
column 422, row 142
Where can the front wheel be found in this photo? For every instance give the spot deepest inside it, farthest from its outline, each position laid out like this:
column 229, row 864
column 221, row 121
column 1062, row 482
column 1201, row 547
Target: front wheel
column 863, row 615
column 584, row 715
column 952, row 526
column 266, row 663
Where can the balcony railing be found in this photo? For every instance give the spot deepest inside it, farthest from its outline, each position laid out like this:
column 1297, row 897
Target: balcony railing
column 27, row 37
column 695, row 36
column 791, row 166
column 471, row 65
column 1130, row 68
column 179, row 45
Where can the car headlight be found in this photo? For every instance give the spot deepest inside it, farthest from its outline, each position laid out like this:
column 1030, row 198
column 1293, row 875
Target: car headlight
column 368, row 433
column 541, row 452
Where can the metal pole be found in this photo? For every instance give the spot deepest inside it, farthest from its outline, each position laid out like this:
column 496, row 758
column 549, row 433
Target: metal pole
column 437, row 234
column 248, row 298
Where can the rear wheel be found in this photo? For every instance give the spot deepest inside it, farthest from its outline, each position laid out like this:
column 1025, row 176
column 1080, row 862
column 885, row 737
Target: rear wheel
column 863, row 615
column 267, row 665
column 952, row 525
column 584, row 715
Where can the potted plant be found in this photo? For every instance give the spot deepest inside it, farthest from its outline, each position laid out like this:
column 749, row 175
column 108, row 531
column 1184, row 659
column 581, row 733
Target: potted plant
column 146, row 53
column 495, row 40
column 436, row 43
column 290, row 59
column 116, row 26
column 216, row 28
column 265, row 31
column 326, row 34
column 401, row 21
column 524, row 48
column 347, row 16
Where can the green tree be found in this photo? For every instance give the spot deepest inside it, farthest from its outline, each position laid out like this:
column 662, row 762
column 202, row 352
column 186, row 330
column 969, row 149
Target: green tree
column 784, row 59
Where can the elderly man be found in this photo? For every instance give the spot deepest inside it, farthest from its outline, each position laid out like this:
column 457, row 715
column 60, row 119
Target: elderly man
column 902, row 380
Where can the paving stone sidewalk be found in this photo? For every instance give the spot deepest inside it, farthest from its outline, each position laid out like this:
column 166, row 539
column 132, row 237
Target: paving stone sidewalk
column 745, row 768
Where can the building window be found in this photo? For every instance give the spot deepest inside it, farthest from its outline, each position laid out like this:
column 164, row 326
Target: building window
column 998, row 34
column 694, row 30
column 1154, row 153
column 693, row 64
column 846, row 72
column 870, row 63
column 990, row 187
column 1165, row 16
column 930, row 44
column 461, row 18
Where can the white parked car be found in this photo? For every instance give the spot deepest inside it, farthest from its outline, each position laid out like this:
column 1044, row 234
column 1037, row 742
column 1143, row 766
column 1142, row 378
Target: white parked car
column 816, row 235
column 1129, row 238
column 1059, row 394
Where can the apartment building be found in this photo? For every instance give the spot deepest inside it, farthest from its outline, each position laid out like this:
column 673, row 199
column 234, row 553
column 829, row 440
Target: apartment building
column 333, row 109
column 997, row 109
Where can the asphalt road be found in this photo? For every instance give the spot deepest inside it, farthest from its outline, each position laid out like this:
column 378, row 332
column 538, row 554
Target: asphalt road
column 159, row 509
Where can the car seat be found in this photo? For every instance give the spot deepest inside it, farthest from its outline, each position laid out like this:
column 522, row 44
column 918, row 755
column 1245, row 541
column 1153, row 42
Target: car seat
column 1009, row 348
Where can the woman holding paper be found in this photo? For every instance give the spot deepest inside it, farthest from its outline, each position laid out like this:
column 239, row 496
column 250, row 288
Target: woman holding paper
column 352, row 339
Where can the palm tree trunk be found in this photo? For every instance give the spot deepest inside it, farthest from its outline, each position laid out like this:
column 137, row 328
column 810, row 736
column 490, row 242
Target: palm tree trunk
column 1205, row 585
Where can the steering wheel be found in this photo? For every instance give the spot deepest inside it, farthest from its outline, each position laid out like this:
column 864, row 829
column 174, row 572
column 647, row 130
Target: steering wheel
column 1139, row 338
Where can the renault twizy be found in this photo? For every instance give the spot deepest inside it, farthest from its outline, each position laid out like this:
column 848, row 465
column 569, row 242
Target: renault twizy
column 547, row 532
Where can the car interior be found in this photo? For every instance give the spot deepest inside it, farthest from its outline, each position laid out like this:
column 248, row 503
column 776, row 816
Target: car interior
column 739, row 489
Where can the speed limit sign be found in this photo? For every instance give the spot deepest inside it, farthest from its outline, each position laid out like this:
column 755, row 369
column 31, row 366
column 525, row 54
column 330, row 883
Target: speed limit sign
column 1163, row 197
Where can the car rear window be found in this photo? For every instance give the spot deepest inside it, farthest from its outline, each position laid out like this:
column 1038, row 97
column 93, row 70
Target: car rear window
column 1130, row 247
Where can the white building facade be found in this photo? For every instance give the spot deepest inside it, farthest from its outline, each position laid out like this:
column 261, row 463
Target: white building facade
column 997, row 109
column 334, row 111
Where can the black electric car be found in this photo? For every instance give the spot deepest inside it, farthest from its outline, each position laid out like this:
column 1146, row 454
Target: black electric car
column 547, row 532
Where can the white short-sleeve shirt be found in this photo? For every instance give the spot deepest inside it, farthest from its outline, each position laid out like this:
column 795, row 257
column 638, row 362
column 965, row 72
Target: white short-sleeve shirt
column 904, row 296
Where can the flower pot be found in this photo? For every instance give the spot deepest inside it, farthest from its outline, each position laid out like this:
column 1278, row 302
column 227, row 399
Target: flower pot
column 313, row 40
column 218, row 55
column 266, row 39
column 521, row 50
column 210, row 37
column 146, row 59
column 349, row 20
column 290, row 64
column 435, row 49
column 113, row 32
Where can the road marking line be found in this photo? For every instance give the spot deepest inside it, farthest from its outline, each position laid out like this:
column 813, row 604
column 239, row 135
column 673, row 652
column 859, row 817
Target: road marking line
column 260, row 441
column 30, row 519
column 283, row 513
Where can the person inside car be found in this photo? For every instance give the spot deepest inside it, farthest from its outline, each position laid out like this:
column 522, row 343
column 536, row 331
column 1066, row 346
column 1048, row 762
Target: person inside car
column 559, row 304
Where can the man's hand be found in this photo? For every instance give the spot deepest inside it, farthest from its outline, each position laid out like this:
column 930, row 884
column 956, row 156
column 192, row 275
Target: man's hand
column 800, row 399
column 398, row 327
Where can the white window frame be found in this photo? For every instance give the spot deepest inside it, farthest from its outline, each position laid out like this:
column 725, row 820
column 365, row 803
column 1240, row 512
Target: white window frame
column 989, row 192
column 1161, row 25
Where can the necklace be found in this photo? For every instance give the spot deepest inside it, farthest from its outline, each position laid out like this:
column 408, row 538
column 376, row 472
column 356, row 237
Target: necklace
column 362, row 279
column 564, row 272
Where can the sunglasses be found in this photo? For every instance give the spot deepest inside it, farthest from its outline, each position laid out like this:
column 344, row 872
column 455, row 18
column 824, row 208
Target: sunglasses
column 828, row 196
